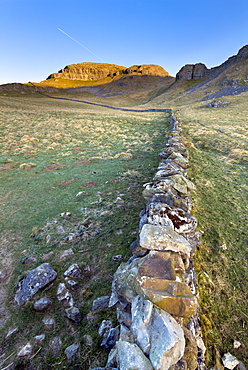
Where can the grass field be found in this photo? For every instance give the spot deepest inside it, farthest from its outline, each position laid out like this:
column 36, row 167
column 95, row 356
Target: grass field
column 218, row 145
column 57, row 157
column 53, row 150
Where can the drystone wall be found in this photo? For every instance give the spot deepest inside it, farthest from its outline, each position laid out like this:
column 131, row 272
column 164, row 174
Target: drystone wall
column 155, row 291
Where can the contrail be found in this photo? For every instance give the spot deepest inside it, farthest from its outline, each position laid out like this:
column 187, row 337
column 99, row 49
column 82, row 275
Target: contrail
column 81, row 45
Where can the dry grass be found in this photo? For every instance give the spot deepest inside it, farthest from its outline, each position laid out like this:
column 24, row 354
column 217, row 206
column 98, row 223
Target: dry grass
column 59, row 157
column 217, row 141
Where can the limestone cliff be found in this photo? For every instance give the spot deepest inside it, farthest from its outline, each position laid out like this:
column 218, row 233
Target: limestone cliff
column 192, row 72
column 96, row 71
column 199, row 70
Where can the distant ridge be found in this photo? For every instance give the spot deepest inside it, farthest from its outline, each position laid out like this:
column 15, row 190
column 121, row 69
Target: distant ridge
column 95, row 71
column 199, row 70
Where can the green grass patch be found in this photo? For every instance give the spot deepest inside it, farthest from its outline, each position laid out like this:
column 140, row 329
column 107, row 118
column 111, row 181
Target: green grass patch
column 217, row 142
column 61, row 157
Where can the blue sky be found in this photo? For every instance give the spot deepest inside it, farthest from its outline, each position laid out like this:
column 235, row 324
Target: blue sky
column 170, row 33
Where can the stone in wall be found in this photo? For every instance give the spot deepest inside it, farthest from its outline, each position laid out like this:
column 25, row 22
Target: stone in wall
column 163, row 238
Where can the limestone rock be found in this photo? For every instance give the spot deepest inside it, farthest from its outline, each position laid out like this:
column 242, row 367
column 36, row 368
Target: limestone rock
column 175, row 184
column 112, row 359
column 65, row 253
column 236, row 344
column 163, row 238
column 63, row 294
column 71, row 351
column 88, row 340
column 192, row 72
column 173, row 297
column 109, row 339
column 191, row 351
column 73, row 271
column 55, row 345
column 121, row 290
column 180, row 264
column 137, row 250
column 229, row 361
column 72, row 284
column 105, row 326
column 49, row 323
column 42, row 304
column 130, row 357
column 141, row 316
column 117, row 258
column 157, row 268
column 73, row 314
column 34, row 280
column 100, row 303
column 241, row 366
column 11, row 332
column 126, row 334
column 147, row 69
column 173, row 200
column 123, row 315
column 175, row 217
column 167, row 340
column 39, row 338
column 29, row 261
column 26, row 350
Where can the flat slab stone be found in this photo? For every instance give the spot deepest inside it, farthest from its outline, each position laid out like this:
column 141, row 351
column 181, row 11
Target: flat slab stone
column 163, row 238
column 33, row 281
column 158, row 268
column 173, row 297
column 179, row 264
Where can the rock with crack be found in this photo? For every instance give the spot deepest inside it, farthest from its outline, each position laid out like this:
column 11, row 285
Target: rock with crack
column 167, row 340
column 141, row 316
column 174, row 297
column 73, row 271
column 159, row 213
column 34, row 281
column 156, row 281
column 158, row 335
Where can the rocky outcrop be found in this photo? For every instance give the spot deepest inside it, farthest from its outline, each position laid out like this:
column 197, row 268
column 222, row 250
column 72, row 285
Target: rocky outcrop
column 192, row 72
column 199, row 70
column 96, row 71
